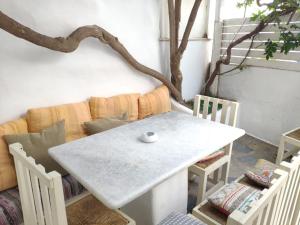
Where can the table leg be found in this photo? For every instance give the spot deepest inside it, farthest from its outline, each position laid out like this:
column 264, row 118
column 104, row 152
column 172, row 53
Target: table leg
column 155, row 205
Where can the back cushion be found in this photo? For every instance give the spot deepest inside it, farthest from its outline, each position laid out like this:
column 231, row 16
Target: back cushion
column 155, row 102
column 73, row 114
column 115, row 106
column 8, row 177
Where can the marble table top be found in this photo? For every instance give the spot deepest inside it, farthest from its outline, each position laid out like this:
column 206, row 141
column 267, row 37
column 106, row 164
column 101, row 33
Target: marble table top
column 116, row 167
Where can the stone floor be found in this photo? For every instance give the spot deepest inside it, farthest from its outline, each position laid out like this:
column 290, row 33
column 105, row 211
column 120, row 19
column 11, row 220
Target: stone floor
column 246, row 151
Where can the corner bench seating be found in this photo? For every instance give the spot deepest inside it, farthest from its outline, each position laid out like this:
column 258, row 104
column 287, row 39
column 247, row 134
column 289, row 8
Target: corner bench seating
column 278, row 205
column 74, row 114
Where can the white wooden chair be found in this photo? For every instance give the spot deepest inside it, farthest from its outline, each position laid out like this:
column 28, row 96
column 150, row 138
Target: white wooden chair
column 260, row 212
column 42, row 198
column 225, row 112
column 291, row 138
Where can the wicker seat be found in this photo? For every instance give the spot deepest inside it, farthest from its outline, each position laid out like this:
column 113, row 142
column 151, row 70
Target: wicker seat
column 89, row 211
column 42, row 198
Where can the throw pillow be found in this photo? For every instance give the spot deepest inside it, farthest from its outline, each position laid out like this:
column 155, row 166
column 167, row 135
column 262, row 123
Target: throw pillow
column 155, row 102
column 234, row 196
column 113, row 106
column 262, row 174
column 36, row 145
column 100, row 125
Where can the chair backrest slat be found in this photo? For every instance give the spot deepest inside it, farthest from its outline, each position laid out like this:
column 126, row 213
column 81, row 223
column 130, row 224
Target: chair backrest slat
column 214, row 110
column 41, row 193
column 222, row 111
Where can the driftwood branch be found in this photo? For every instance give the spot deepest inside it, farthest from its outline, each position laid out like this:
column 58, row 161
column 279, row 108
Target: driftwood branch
column 71, row 43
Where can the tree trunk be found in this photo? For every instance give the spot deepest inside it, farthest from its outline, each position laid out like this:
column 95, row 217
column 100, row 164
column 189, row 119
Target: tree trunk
column 176, row 50
column 71, row 43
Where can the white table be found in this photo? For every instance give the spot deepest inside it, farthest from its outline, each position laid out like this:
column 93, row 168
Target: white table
column 147, row 181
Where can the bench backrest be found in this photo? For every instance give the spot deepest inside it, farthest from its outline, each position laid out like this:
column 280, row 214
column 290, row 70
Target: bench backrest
column 41, row 193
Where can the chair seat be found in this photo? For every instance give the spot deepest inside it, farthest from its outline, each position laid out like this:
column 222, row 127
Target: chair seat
column 176, row 218
column 210, row 159
column 295, row 134
column 89, row 211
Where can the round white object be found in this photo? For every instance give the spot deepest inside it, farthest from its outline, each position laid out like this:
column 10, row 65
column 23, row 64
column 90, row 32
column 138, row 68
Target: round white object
column 149, row 137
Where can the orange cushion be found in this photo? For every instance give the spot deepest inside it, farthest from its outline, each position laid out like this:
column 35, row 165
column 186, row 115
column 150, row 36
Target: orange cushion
column 115, row 106
column 73, row 114
column 155, row 102
column 8, row 177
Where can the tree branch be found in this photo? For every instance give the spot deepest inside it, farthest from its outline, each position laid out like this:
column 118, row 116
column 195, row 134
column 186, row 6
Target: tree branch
column 177, row 21
column 71, row 43
column 261, row 26
column 189, row 27
column 172, row 27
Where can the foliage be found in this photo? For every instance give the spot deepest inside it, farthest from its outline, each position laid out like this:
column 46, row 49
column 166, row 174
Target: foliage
column 271, row 13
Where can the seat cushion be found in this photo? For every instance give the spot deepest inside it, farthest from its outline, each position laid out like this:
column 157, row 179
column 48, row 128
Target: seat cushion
column 73, row 114
column 207, row 161
column 89, row 211
column 115, row 106
column 176, row 218
column 8, row 177
column 234, row 196
column 155, row 102
column 36, row 145
column 262, row 173
column 10, row 205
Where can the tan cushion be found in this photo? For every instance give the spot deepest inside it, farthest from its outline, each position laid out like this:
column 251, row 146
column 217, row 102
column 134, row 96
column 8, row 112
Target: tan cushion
column 209, row 160
column 73, row 114
column 100, row 125
column 155, row 102
column 8, row 177
column 115, row 106
column 36, row 145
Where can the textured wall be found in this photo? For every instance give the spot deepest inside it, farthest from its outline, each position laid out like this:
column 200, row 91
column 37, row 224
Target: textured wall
column 31, row 76
column 270, row 100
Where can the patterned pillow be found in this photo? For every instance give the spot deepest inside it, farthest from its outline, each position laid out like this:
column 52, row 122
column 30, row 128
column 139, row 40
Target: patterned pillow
column 262, row 173
column 234, row 196
column 180, row 219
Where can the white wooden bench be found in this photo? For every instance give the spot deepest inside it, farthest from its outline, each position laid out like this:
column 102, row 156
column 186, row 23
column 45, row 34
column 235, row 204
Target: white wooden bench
column 279, row 205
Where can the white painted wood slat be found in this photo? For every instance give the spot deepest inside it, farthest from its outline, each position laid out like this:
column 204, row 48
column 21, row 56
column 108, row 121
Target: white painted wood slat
column 236, row 28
